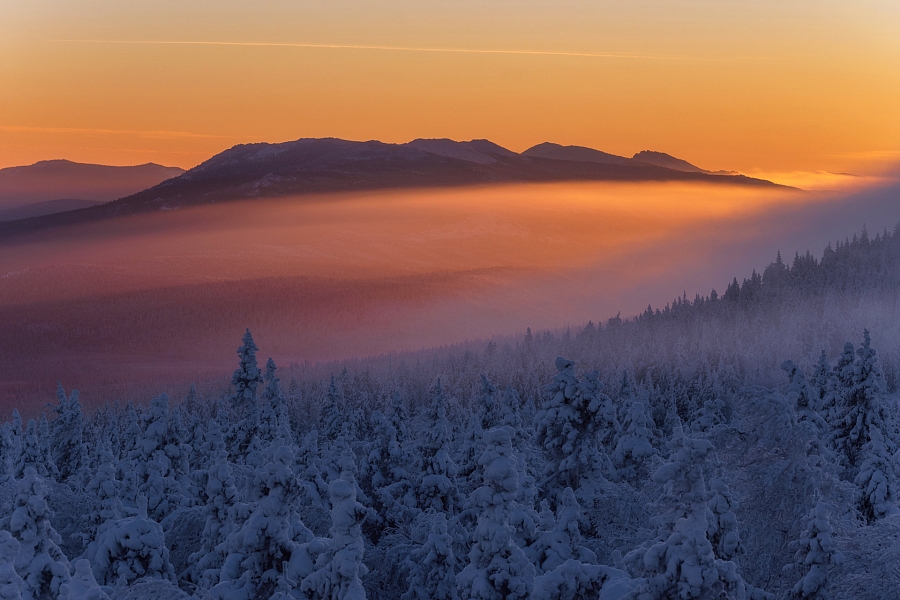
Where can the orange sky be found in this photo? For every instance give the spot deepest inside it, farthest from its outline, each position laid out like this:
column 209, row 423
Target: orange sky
column 761, row 86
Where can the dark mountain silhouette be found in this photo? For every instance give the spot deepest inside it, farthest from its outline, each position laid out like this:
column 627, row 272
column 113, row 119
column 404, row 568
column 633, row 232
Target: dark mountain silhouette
column 575, row 153
column 308, row 166
column 661, row 159
column 477, row 151
column 642, row 158
column 63, row 179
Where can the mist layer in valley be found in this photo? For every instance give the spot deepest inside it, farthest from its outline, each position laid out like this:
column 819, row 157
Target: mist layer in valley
column 126, row 307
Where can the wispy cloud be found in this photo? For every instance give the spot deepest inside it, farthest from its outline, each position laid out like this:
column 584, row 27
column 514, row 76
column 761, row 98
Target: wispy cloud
column 151, row 134
column 610, row 55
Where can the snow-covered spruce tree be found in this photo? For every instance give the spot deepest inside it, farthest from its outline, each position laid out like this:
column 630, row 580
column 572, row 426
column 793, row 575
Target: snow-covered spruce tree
column 67, row 434
column 497, row 568
column 710, row 414
column 385, row 470
column 680, row 562
column 82, row 585
column 574, row 580
column 12, row 585
column 830, row 399
column 433, row 565
column 437, row 488
column 825, row 383
column 509, row 414
column 865, row 435
column 260, row 549
column 195, row 438
column 627, row 397
column 878, row 478
column 844, row 370
column 247, row 377
column 308, row 470
column 339, row 456
column 816, row 551
column 273, row 411
column 806, row 402
column 569, row 427
column 44, row 448
column 468, row 451
column 799, row 393
column 30, row 454
column 17, row 431
column 375, row 470
column 399, row 419
column 105, row 490
column 131, row 548
column 331, row 417
column 722, row 529
column 132, row 439
column 8, row 452
column 40, row 562
column 835, row 405
column 107, row 425
column 560, row 538
column 339, row 568
column 523, row 518
column 634, row 450
column 221, row 494
column 243, row 437
column 160, row 463
column 605, row 424
column 486, row 404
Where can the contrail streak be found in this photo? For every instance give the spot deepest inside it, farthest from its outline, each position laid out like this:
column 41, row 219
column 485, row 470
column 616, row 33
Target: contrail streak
column 382, row 48
column 143, row 133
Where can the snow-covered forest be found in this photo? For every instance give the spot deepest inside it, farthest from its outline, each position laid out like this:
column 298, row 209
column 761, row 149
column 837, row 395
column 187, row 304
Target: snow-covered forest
column 740, row 445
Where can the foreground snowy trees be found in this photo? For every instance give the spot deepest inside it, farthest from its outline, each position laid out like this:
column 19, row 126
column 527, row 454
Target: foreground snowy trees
column 131, row 548
column 681, row 562
column 433, row 566
column 11, row 583
column 510, row 476
column 159, row 463
column 39, row 562
column 221, row 497
column 497, row 569
column 437, row 489
column 574, row 419
column 339, row 567
column 259, row 548
column 816, row 552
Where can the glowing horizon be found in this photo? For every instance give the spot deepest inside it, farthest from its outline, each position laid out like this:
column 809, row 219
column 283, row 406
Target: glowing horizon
column 755, row 87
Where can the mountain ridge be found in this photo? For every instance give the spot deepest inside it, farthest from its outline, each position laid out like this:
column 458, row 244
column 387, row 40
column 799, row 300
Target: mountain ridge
column 60, row 179
column 326, row 165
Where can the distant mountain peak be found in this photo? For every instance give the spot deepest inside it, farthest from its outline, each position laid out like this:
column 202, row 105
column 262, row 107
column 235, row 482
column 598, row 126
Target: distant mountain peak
column 483, row 152
column 62, row 179
column 576, row 153
column 661, row 159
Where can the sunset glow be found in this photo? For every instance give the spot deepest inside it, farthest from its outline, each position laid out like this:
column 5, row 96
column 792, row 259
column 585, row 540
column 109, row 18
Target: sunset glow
column 775, row 87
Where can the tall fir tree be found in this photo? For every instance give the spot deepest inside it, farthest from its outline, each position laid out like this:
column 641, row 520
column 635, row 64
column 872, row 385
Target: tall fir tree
column 243, row 437
column 569, row 429
column 339, row 568
column 815, row 553
column 498, row 569
column 437, row 488
column 433, row 565
column 67, row 432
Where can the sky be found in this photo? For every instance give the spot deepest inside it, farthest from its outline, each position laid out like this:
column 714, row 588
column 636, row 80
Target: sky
column 761, row 86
